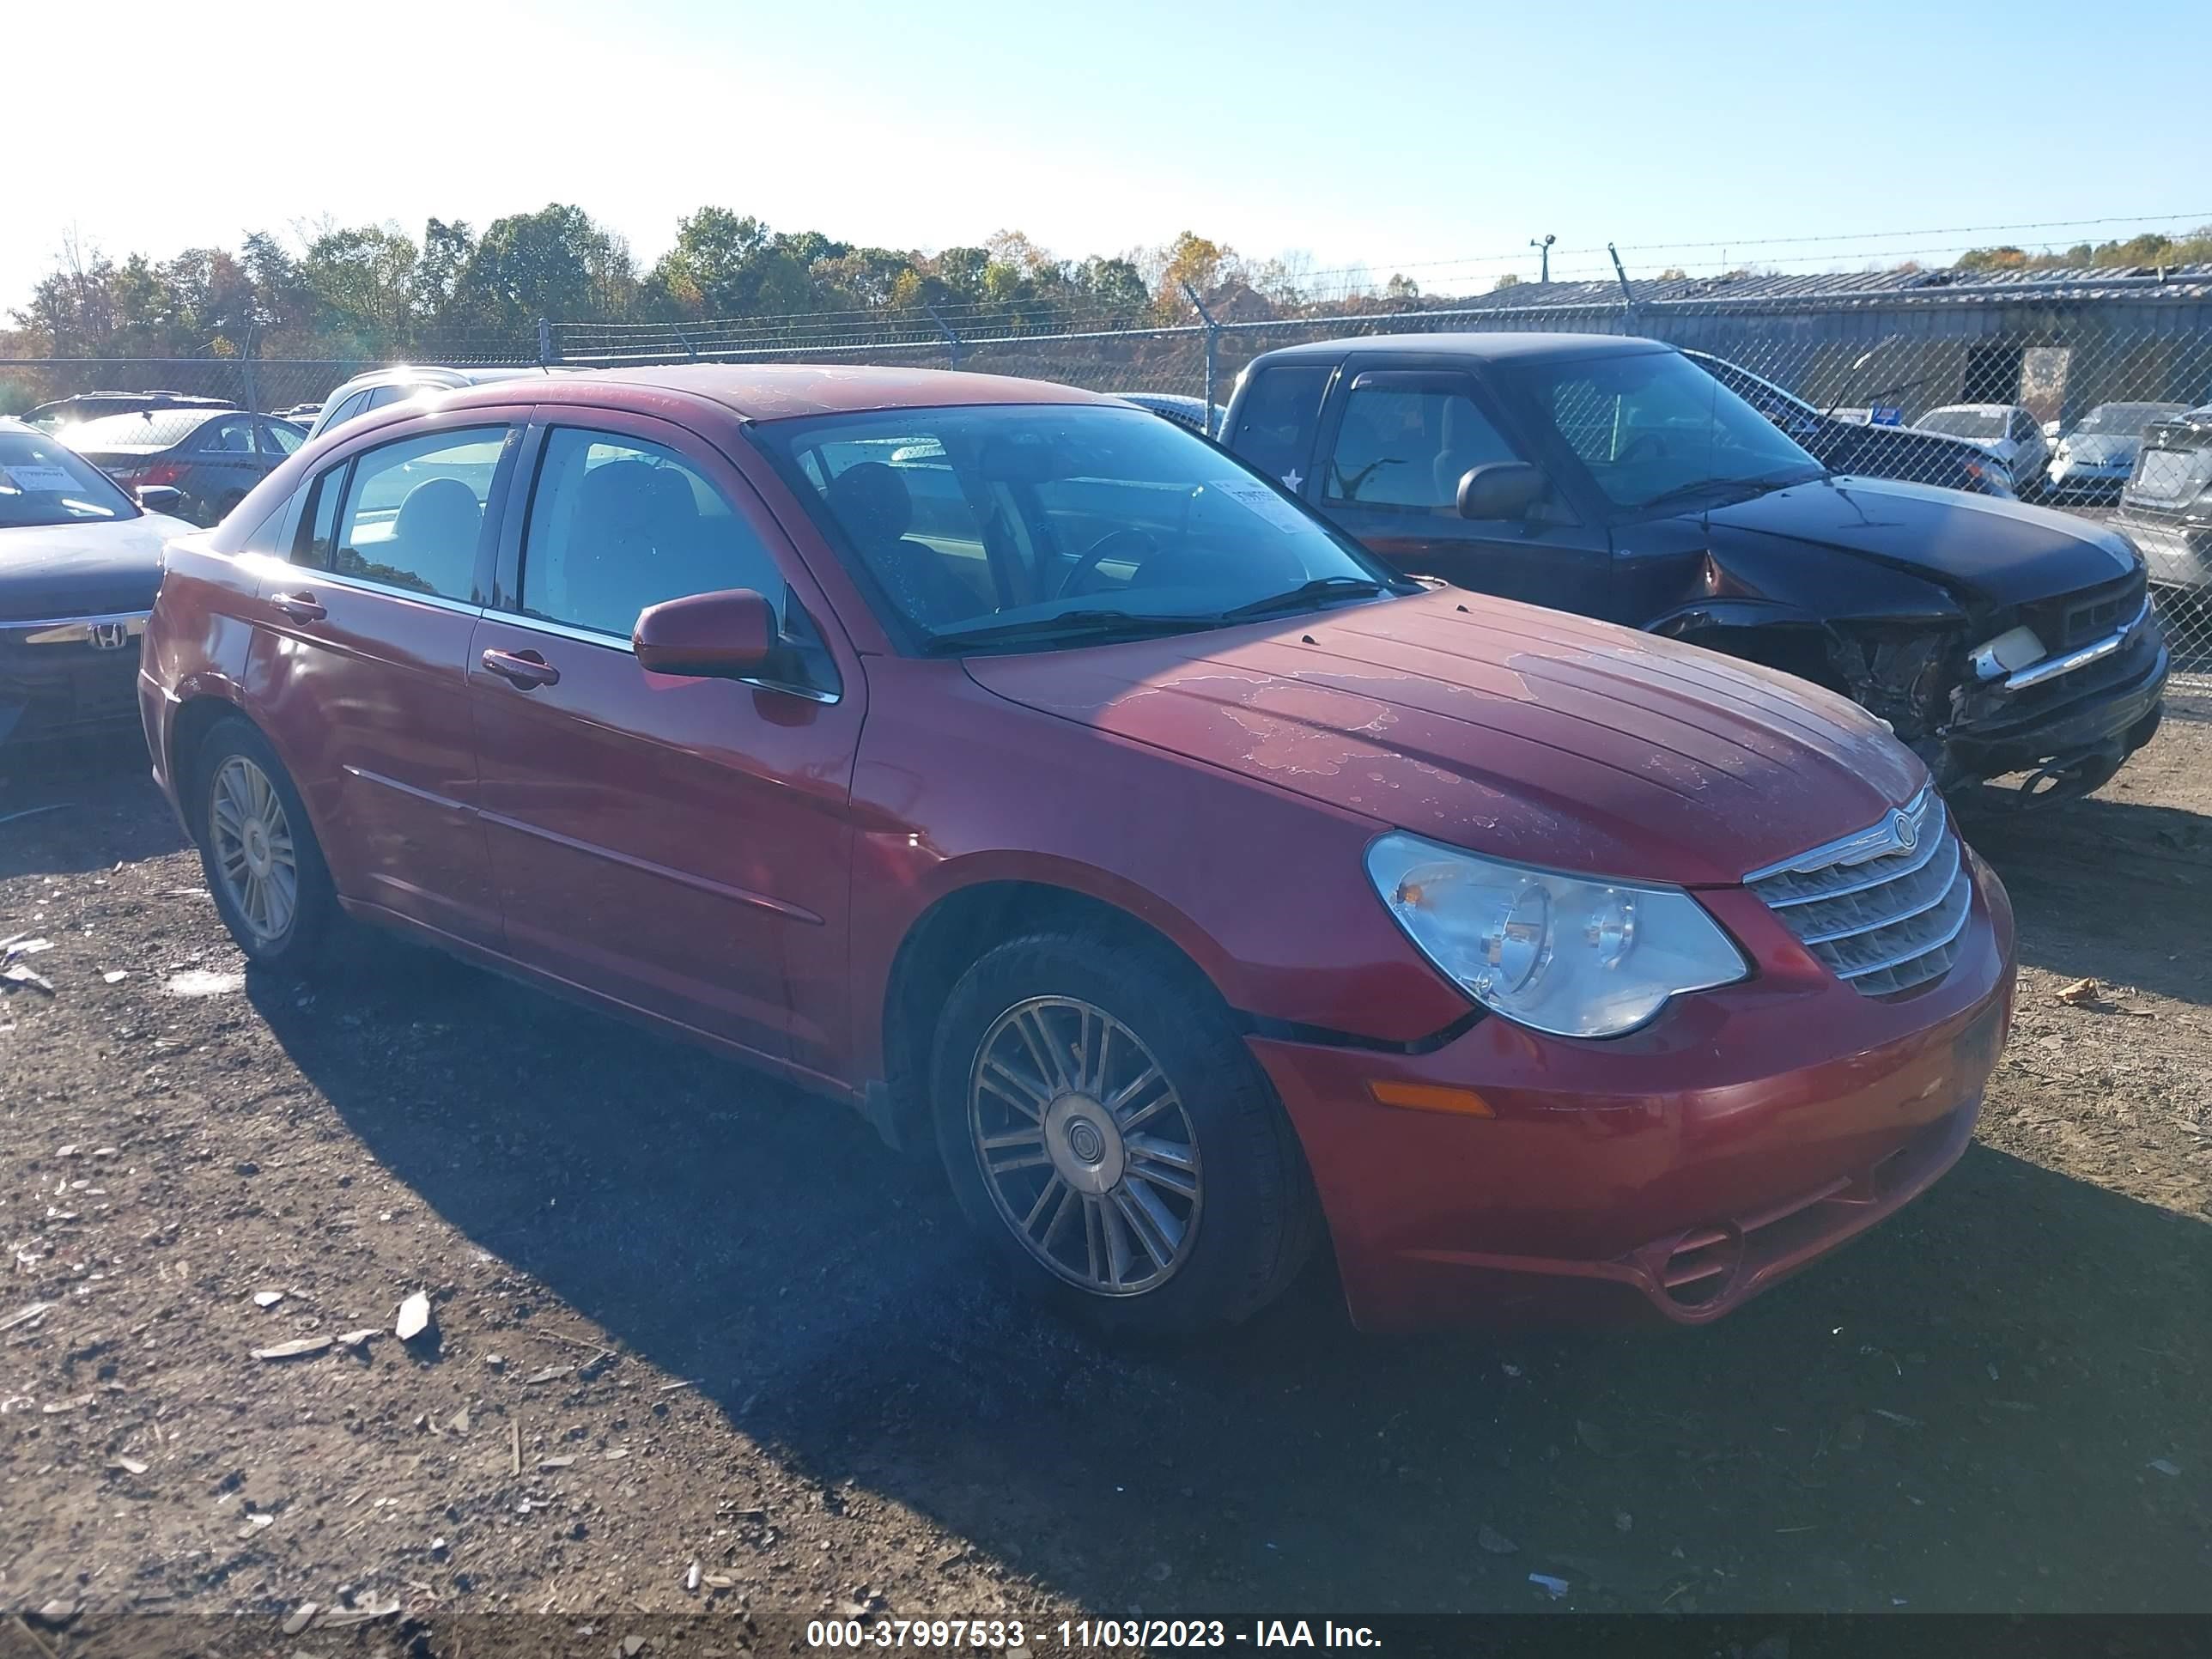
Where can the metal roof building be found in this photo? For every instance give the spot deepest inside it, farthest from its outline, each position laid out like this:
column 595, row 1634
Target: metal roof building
column 2058, row 341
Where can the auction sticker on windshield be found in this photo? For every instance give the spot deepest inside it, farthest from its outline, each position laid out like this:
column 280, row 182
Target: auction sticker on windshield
column 38, row 477
column 1257, row 498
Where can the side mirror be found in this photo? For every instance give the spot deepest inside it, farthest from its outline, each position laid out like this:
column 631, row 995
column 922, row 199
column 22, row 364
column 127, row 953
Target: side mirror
column 159, row 498
column 723, row 635
column 1500, row 489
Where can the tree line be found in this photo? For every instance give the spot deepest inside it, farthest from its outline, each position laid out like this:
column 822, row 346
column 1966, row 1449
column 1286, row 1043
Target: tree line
column 374, row 291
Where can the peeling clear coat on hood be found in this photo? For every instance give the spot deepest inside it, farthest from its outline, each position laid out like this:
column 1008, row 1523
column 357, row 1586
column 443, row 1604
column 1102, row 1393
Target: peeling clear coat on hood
column 1519, row 733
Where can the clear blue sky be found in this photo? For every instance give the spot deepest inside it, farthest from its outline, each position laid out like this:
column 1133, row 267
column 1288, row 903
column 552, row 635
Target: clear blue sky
column 1392, row 135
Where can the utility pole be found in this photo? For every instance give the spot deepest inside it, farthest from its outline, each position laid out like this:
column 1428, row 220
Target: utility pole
column 1213, row 341
column 953, row 343
column 1544, row 247
column 1627, row 294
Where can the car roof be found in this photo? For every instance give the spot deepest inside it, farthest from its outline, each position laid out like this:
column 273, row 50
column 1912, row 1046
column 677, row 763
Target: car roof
column 778, row 391
column 156, row 429
column 150, row 395
column 1500, row 347
column 1971, row 409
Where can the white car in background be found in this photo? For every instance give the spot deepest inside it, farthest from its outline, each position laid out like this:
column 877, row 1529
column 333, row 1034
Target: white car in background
column 380, row 386
column 2100, row 454
column 2008, row 432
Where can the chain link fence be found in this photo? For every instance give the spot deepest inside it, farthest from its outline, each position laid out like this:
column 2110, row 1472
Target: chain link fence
column 2072, row 390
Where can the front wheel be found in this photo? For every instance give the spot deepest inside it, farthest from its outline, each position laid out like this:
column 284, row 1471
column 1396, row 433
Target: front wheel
column 1108, row 1133
column 264, row 868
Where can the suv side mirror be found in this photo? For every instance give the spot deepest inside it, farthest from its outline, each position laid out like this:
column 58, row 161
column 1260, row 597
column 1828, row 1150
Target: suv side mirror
column 1500, row 489
column 159, row 498
column 721, row 636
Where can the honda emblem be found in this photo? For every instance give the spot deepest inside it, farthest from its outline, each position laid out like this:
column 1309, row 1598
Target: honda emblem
column 107, row 636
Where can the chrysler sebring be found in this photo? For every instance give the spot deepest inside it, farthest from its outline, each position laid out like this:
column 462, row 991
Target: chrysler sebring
column 1019, row 768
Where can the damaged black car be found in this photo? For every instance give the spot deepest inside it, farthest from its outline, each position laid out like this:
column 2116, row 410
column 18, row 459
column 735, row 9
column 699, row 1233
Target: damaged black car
column 1614, row 478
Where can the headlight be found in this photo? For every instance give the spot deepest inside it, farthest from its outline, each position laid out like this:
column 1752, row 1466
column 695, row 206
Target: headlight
column 2010, row 652
column 1573, row 958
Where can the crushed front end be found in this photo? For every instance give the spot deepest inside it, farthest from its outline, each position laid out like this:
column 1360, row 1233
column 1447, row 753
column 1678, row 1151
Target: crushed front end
column 2063, row 689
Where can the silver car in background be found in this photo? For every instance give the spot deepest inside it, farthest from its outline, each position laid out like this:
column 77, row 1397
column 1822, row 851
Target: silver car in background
column 380, row 386
column 2006, row 430
column 2097, row 456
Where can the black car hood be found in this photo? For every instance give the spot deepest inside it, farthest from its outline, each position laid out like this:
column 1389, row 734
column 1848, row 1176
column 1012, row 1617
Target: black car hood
column 84, row 570
column 1973, row 546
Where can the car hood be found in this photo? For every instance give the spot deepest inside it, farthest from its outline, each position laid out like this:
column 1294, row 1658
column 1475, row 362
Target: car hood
column 1977, row 547
column 1523, row 733
column 84, row 570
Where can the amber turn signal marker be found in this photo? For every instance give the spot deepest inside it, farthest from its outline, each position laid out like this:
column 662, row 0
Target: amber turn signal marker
column 1431, row 1097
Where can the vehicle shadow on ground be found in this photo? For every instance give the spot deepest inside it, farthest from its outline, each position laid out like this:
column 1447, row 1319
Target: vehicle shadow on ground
column 83, row 808
column 2016, row 1344
column 2065, row 866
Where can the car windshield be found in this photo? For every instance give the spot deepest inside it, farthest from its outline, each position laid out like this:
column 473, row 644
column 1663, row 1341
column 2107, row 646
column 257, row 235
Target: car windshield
column 2124, row 420
column 1652, row 430
column 1963, row 423
column 44, row 482
column 1042, row 525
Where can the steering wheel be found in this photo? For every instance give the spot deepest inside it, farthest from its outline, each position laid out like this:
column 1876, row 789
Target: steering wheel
column 1628, row 449
column 1097, row 551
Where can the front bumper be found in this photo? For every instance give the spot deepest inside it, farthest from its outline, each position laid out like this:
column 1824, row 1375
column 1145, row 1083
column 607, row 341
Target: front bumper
column 1671, row 1174
column 2176, row 549
column 2108, row 702
column 69, row 676
column 2088, row 475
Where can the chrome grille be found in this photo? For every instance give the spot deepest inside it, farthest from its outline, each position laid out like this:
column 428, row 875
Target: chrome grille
column 1884, row 909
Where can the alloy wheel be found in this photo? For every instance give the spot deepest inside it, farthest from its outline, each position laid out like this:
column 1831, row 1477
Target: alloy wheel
column 1085, row 1146
column 255, row 854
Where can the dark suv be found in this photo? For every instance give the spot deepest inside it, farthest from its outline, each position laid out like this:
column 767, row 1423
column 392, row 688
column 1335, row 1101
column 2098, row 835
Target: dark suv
column 2166, row 503
column 1615, row 477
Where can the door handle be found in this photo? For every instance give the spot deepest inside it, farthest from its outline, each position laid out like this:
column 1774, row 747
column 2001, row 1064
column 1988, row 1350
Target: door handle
column 300, row 607
column 525, row 671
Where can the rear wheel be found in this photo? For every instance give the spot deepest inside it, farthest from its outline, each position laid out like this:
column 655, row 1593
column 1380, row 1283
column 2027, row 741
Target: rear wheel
column 1108, row 1133
column 264, row 865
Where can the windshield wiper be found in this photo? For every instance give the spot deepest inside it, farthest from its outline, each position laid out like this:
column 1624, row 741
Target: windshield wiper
column 1321, row 587
column 1733, row 488
column 1071, row 624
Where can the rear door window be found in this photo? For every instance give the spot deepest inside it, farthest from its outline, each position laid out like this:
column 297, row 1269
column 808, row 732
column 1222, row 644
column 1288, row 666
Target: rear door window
column 230, row 435
column 413, row 516
column 1276, row 420
column 1406, row 444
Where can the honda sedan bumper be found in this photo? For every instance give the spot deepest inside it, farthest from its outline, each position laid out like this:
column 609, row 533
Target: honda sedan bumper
column 69, row 676
column 1671, row 1174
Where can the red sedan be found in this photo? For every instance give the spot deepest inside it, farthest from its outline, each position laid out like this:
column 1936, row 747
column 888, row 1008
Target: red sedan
column 1018, row 768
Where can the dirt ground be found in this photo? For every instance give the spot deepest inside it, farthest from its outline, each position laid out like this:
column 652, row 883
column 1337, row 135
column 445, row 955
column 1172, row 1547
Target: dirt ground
column 702, row 1343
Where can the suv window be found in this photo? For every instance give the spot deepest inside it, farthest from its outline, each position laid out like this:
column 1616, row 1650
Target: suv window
column 1274, row 424
column 618, row 523
column 1406, row 446
column 414, row 511
column 345, row 412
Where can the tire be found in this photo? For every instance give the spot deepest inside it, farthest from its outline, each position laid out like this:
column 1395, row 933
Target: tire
column 1227, row 1247
column 283, row 938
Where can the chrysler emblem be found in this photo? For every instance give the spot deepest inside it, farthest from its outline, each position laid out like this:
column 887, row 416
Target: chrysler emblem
column 107, row 636
column 1901, row 827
